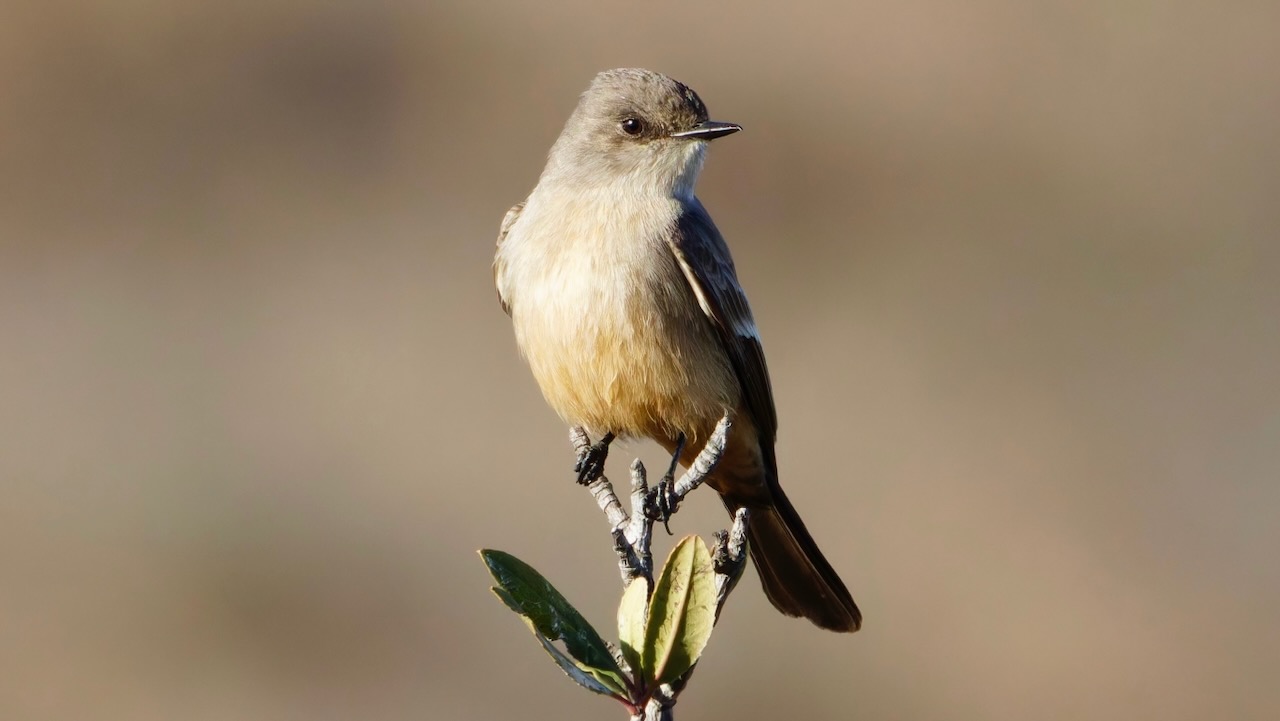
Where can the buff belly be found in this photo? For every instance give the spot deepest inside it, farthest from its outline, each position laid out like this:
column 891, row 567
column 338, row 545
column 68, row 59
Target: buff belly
column 626, row 351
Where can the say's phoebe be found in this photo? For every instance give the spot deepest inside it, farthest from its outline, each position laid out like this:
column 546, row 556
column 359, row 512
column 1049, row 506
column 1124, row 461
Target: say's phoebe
column 627, row 307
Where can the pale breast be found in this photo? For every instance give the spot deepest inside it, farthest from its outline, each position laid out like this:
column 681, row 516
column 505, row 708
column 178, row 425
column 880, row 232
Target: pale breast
column 610, row 327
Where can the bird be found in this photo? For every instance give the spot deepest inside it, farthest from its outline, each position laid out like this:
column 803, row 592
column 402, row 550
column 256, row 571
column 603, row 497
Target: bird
column 627, row 308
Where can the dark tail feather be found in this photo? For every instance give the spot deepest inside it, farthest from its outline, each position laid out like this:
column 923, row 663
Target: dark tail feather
column 796, row 577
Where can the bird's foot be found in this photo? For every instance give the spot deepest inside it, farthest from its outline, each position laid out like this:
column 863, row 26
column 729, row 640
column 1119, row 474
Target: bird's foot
column 662, row 501
column 590, row 465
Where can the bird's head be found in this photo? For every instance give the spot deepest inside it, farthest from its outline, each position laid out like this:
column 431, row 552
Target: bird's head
column 639, row 130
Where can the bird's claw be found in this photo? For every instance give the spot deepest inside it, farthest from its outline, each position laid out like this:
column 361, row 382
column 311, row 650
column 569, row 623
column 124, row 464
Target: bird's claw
column 661, row 503
column 590, row 465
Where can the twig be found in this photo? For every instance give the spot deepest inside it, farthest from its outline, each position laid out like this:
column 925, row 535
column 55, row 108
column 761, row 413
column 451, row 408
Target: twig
column 730, row 557
column 633, row 536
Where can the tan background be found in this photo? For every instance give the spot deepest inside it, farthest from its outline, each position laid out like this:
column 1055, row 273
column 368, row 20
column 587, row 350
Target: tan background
column 1015, row 265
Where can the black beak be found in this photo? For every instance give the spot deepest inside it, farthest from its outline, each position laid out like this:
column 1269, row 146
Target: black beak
column 708, row 130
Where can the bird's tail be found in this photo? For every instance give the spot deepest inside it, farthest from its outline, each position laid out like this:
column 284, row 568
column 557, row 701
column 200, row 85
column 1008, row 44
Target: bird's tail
column 796, row 577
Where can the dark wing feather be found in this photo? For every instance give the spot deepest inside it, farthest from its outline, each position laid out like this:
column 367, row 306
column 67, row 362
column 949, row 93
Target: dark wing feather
column 708, row 267
column 508, row 220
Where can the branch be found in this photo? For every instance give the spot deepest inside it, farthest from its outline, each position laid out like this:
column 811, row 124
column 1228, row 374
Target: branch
column 633, row 536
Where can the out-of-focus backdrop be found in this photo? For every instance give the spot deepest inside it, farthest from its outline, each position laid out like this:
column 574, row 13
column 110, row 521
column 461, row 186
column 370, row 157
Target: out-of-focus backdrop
column 1015, row 265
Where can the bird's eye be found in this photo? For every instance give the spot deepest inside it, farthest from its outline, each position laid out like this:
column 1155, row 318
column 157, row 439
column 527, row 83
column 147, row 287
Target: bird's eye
column 632, row 126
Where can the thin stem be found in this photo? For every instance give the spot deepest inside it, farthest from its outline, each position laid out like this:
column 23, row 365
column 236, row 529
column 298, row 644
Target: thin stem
column 632, row 535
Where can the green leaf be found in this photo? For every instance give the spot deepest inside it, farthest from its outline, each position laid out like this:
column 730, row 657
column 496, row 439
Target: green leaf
column 572, row 669
column 549, row 615
column 681, row 612
column 631, row 619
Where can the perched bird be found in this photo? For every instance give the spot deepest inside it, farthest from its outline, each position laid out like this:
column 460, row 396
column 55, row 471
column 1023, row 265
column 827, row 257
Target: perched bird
column 627, row 307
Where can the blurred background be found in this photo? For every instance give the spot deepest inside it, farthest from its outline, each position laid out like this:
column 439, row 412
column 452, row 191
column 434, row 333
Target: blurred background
column 1014, row 263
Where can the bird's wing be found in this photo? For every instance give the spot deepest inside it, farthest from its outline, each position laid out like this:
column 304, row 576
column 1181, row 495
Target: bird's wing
column 707, row 265
column 508, row 220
